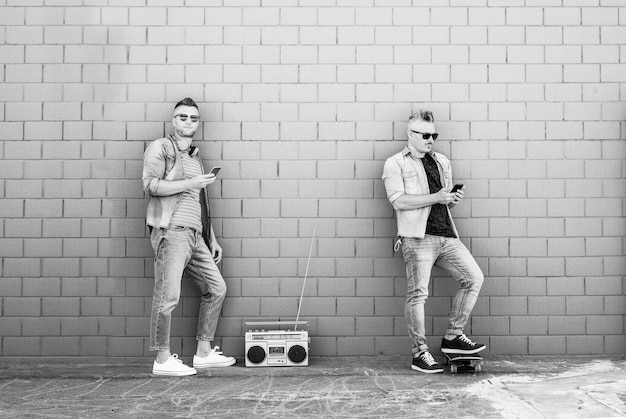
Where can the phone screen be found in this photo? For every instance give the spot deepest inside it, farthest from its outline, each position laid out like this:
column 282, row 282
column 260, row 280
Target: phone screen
column 456, row 187
column 215, row 170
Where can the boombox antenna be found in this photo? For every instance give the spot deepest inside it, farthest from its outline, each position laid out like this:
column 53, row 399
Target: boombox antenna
column 306, row 273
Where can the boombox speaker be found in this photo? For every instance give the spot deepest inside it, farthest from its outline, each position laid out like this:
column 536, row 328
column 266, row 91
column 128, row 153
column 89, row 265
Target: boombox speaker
column 277, row 344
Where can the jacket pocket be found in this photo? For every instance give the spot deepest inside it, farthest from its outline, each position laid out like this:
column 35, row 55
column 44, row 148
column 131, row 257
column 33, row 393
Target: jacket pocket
column 411, row 182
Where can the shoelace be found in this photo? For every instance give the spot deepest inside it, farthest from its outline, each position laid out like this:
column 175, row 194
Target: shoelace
column 428, row 358
column 175, row 358
column 467, row 340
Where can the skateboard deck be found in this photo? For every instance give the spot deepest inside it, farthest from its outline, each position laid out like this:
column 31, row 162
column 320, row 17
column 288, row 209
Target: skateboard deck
column 463, row 362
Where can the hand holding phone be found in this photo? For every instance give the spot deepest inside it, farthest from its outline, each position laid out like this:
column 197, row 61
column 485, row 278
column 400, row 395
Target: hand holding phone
column 215, row 170
column 457, row 187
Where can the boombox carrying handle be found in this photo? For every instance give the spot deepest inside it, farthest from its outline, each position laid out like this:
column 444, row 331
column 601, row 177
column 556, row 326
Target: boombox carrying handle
column 306, row 273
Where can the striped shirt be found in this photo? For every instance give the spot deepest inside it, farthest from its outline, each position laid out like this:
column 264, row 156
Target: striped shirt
column 188, row 212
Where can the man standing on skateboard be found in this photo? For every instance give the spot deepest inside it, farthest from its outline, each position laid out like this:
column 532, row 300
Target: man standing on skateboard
column 419, row 186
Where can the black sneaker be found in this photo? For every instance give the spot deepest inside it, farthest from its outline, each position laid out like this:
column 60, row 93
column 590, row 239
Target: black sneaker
column 426, row 363
column 461, row 345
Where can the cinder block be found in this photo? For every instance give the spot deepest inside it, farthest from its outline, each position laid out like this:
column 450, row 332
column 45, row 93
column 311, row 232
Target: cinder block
column 22, row 267
column 278, row 267
column 260, row 287
column 386, row 345
column 389, row 306
column 584, row 345
column 336, row 287
column 50, row 326
column 95, row 306
column 374, row 326
column 284, row 306
column 583, row 227
column 588, row 266
column 528, row 207
column 490, row 325
column 385, row 267
column 605, row 325
column 11, row 326
column 514, row 306
column 565, row 286
column 21, row 346
column 355, row 306
column 127, row 306
column 93, row 345
column 512, row 345
column 355, row 346
column 240, row 267
column 79, row 326
column 354, row 267
column 577, row 305
column 60, row 306
column 566, row 325
column 615, row 344
column 529, row 325
column 129, row 267
column 372, row 16
column 336, row 326
column 242, row 306
column 125, row 346
column 528, row 286
column 546, row 345
column 41, row 287
column 550, row 306
column 295, row 287
column 546, row 227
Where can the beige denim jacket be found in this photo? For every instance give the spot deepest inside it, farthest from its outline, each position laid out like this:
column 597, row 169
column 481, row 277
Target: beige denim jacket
column 161, row 161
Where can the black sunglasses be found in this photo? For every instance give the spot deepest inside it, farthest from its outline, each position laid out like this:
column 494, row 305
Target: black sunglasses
column 426, row 135
column 183, row 117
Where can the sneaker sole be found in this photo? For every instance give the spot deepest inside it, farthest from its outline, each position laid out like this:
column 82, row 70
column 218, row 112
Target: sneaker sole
column 216, row 365
column 413, row 367
column 462, row 351
column 174, row 373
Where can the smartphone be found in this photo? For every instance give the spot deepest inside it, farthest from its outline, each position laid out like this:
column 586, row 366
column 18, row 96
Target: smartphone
column 456, row 187
column 215, row 170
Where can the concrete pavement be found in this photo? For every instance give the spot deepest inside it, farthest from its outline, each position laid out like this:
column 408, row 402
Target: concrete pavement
column 351, row 387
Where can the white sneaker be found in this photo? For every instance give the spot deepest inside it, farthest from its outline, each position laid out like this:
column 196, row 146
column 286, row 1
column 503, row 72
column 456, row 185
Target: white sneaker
column 215, row 359
column 173, row 366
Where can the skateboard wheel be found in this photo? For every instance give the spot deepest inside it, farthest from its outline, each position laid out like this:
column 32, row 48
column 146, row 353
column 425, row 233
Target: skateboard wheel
column 478, row 368
column 453, row 369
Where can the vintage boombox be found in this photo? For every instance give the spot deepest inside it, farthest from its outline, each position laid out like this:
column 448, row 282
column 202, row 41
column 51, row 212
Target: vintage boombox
column 277, row 344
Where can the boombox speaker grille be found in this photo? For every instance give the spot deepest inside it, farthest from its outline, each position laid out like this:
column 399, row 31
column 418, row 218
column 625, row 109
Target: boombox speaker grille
column 297, row 354
column 256, row 354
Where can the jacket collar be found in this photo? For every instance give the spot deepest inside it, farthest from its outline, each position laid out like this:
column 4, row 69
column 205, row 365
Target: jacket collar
column 408, row 149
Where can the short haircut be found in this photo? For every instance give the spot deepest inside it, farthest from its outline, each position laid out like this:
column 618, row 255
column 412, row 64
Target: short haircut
column 187, row 102
column 422, row 115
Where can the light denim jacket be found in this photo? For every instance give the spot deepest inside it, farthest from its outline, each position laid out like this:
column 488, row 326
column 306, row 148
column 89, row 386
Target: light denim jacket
column 405, row 174
column 161, row 161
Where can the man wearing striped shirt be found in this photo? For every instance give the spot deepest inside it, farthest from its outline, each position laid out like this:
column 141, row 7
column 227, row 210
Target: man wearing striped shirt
column 183, row 241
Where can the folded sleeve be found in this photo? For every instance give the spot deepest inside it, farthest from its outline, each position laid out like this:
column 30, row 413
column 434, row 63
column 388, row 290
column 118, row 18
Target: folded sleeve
column 392, row 178
column 153, row 167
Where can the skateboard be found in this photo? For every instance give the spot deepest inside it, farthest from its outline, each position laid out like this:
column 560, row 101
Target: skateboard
column 463, row 362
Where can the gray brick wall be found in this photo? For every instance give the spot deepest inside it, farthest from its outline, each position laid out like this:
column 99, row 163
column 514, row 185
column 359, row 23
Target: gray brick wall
column 302, row 102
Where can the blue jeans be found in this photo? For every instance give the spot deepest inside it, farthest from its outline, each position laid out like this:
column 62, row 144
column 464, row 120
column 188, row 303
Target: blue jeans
column 420, row 255
column 178, row 250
